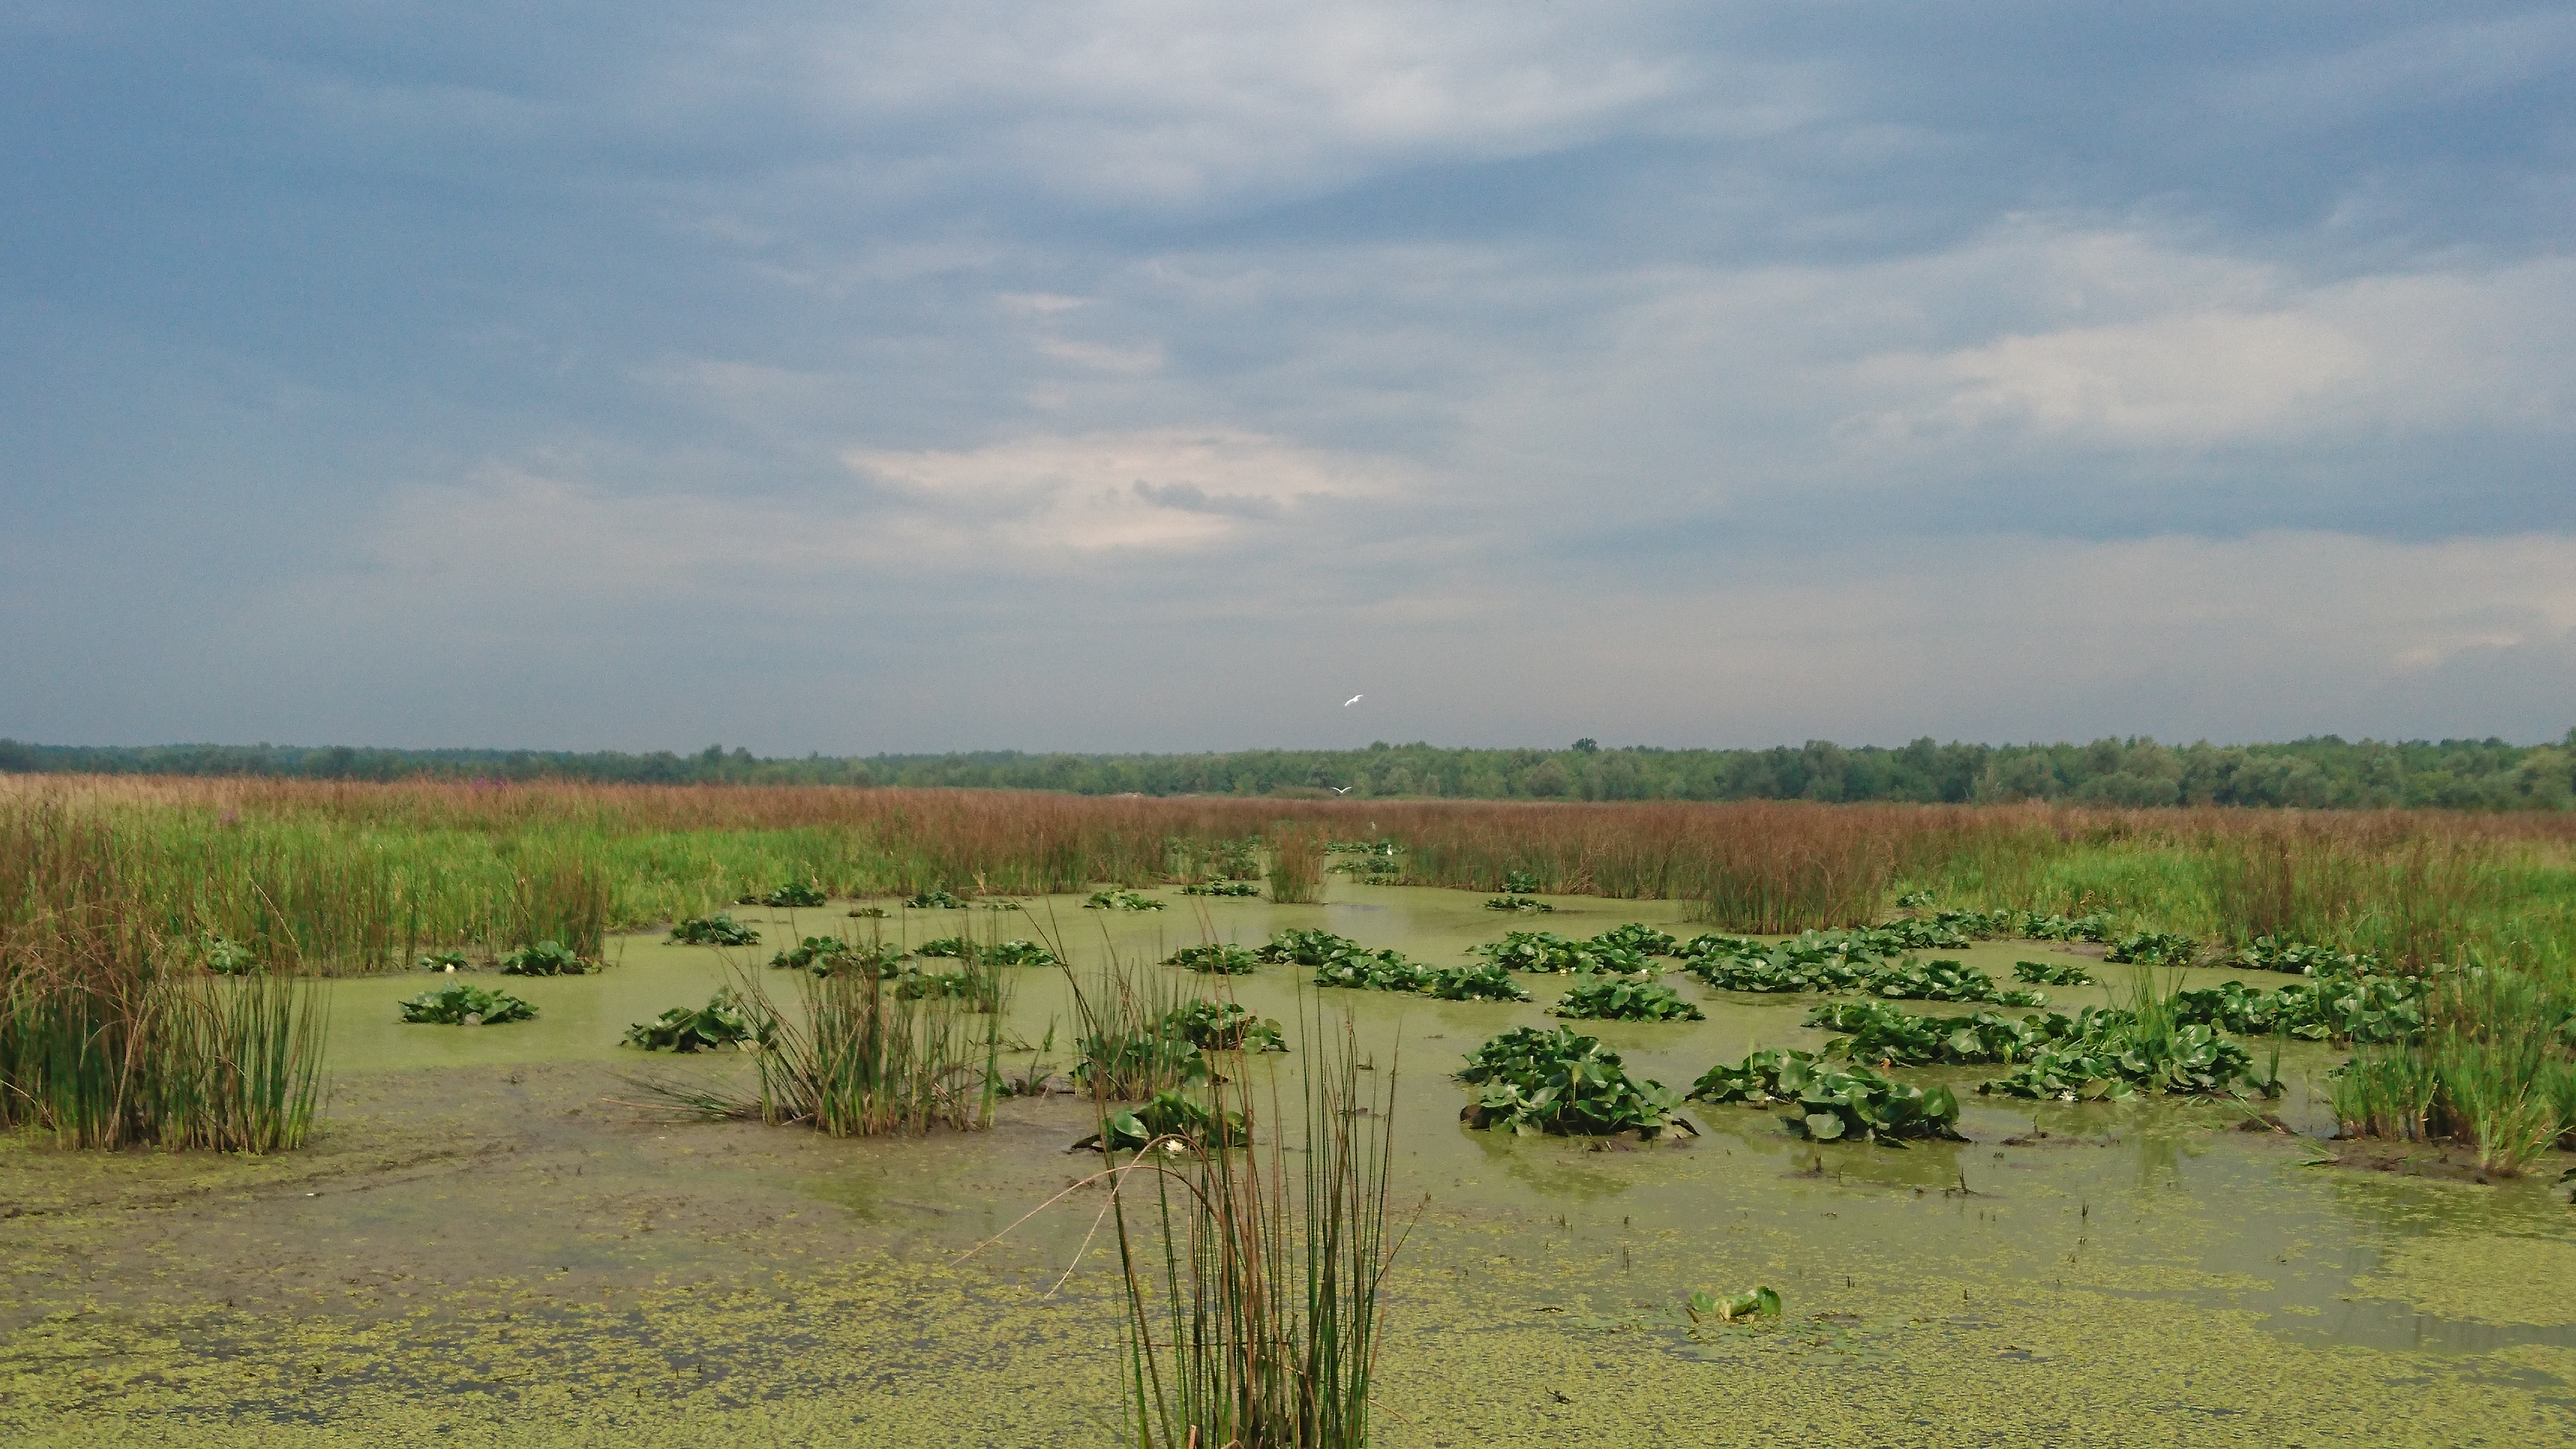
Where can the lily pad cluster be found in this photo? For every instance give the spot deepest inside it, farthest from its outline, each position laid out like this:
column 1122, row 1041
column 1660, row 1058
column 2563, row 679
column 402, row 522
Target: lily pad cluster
column 1223, row 888
column 2371, row 1010
column 1617, row 998
column 2271, row 953
column 1527, row 905
column 226, row 957
column 1123, row 899
column 719, row 929
column 2113, row 1053
column 1533, row 1081
column 2154, row 948
column 2050, row 973
column 824, row 955
column 461, row 1003
column 1547, row 953
column 935, row 901
column 441, row 961
column 1892, row 1036
column 1831, row 961
column 1171, row 1118
column 1833, row 1102
column 1485, row 982
column 1225, row 1026
column 1216, row 958
column 545, row 958
column 795, row 894
column 2019, row 925
column 1744, row 1307
column 1912, row 980
column 725, row 1021
column 1016, row 952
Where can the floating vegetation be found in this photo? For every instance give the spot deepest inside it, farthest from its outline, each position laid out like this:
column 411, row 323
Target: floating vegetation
column 919, row 985
column 1533, row 1081
column 2154, row 948
column 2021, row 925
column 1016, row 952
column 1128, row 1046
column 1216, row 958
column 2271, row 953
column 1744, row 1307
column 441, row 961
column 1122, row 899
column 1520, row 883
column 1639, row 937
column 794, row 894
column 944, row 946
column 1834, row 1102
column 1597, row 998
column 1174, row 1121
column 2370, row 1010
column 2148, row 1046
column 719, row 929
column 1531, row 905
column 1547, row 953
column 1361, row 969
column 1224, row 1026
column 1486, row 982
column 1913, row 933
column 725, row 1021
column 1307, row 947
column 1911, row 980
column 545, row 958
column 1380, row 846
column 225, row 957
column 1223, row 888
column 935, row 901
column 2047, row 973
column 461, row 1003
column 1892, row 1036
column 867, row 913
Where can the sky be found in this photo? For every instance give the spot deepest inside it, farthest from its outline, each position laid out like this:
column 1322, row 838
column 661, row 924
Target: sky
column 1146, row 375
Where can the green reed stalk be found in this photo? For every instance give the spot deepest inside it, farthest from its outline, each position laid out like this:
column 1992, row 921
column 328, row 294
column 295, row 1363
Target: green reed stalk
column 1253, row 1315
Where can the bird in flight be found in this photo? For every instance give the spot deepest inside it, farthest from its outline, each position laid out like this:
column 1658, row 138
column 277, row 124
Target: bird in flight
column 1354, row 699
column 1341, row 789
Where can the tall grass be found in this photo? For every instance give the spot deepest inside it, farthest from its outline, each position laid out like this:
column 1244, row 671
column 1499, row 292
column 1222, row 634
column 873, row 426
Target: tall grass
column 1255, row 1296
column 1296, row 868
column 1127, row 1052
column 107, row 1039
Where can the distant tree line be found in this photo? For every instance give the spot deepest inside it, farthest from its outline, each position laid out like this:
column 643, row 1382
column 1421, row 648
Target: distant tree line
column 2325, row 772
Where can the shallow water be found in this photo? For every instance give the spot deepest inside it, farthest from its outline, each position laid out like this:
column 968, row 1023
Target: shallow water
column 488, row 1246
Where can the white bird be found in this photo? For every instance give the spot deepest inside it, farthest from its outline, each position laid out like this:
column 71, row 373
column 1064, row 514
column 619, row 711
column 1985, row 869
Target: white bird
column 1341, row 789
column 1354, row 699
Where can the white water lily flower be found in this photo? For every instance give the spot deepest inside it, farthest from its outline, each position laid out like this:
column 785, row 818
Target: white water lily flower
column 473, row 1018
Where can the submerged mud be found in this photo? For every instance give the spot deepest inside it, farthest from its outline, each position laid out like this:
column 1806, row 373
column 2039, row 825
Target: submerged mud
column 490, row 1245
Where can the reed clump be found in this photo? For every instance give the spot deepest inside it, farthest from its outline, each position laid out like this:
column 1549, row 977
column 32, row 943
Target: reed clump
column 1254, row 1293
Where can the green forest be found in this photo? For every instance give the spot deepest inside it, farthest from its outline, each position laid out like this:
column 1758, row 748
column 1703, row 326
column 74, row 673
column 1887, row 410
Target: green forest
column 2325, row 772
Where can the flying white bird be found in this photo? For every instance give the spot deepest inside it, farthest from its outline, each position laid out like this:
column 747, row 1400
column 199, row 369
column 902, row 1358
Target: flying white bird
column 1341, row 789
column 1354, row 699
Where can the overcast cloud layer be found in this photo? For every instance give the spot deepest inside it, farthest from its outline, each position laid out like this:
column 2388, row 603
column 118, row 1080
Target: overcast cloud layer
column 1157, row 375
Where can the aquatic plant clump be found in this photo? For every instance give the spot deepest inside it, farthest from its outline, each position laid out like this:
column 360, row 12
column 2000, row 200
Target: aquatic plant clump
column 725, row 1021
column 1173, row 1120
column 461, row 1003
column 823, row 955
column 719, row 929
column 1122, row 899
column 2049, row 973
column 1911, row 980
column 2270, row 953
column 1534, row 1081
column 441, row 961
column 1616, row 999
column 1016, row 952
column 1306, row 947
column 1527, row 905
column 1224, row 1027
column 545, row 958
column 794, row 894
column 1744, row 1307
column 2111, row 1053
column 935, row 901
column 1835, row 1103
column 1892, row 1036
column 1487, row 982
column 1216, row 958
column 225, row 957
column 1360, row 969
column 1547, row 953
column 1236, row 888
column 2369, row 1010
column 1639, row 937
column 2154, row 948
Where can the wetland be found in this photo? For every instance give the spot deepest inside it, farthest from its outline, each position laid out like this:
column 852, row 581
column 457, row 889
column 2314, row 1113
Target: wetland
column 501, row 1233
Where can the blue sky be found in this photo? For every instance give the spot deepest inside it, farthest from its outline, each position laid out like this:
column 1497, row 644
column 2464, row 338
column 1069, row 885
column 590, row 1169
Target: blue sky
column 1156, row 375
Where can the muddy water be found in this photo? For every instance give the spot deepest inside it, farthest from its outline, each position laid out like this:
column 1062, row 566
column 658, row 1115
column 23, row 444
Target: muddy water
column 490, row 1246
